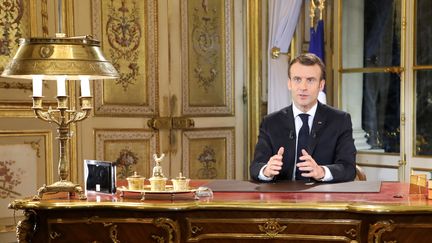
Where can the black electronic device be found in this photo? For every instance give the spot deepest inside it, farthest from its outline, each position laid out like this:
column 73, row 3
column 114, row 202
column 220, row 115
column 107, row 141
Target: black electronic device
column 100, row 176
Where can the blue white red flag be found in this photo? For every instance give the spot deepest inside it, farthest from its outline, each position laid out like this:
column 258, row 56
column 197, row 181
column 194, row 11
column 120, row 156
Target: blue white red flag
column 316, row 46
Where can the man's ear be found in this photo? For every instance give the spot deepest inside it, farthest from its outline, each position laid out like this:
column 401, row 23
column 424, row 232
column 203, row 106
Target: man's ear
column 289, row 84
column 322, row 84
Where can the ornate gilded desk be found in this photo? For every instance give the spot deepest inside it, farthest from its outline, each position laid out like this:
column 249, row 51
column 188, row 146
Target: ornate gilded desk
column 398, row 213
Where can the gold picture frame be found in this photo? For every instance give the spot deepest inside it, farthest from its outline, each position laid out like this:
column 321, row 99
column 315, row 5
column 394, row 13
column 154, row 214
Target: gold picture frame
column 26, row 163
column 207, row 62
column 209, row 153
column 130, row 149
column 133, row 52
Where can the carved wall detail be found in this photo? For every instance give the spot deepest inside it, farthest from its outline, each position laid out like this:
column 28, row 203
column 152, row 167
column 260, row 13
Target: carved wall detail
column 132, row 149
column 124, row 35
column 10, row 178
column 11, row 13
column 128, row 33
column 209, row 153
column 27, row 87
column 17, row 20
column 205, row 42
column 207, row 62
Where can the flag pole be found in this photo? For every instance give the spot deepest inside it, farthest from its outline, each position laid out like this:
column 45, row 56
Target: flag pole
column 321, row 8
column 312, row 13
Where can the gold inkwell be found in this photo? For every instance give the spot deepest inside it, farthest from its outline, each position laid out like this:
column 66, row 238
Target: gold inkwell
column 158, row 181
column 180, row 183
column 135, row 182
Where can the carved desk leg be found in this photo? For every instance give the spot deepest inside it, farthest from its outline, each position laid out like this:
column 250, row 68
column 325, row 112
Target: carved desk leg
column 26, row 227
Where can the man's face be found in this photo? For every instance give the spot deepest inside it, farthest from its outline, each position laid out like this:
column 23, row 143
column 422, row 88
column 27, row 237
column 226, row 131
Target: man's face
column 305, row 85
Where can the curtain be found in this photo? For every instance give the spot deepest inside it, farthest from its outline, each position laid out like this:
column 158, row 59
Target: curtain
column 283, row 18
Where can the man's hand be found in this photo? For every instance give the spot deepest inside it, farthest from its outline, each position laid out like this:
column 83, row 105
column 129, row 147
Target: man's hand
column 309, row 167
column 274, row 165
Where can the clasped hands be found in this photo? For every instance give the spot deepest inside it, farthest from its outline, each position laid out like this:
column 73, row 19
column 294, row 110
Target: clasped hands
column 308, row 167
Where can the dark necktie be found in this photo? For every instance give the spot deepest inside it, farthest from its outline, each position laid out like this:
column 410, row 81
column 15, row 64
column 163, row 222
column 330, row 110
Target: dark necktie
column 302, row 141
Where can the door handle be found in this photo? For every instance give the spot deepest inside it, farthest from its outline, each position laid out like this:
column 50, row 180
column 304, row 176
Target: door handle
column 159, row 123
column 182, row 123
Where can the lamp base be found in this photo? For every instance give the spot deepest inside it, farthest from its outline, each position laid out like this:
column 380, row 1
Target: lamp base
column 61, row 186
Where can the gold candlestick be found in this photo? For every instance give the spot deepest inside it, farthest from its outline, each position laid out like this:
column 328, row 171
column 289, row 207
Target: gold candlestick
column 63, row 118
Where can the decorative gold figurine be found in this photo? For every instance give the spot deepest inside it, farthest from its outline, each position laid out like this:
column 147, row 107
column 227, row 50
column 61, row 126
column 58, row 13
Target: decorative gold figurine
column 158, row 181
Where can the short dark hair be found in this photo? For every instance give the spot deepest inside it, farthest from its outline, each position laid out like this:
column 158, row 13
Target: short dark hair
column 308, row 59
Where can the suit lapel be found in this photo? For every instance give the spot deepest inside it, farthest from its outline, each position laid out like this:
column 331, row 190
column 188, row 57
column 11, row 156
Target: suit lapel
column 318, row 124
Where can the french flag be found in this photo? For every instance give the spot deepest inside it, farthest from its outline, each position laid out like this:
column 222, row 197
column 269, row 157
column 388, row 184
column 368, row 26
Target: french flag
column 316, row 46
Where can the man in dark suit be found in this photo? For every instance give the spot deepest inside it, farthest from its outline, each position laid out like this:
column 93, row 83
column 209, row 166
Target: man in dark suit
column 329, row 152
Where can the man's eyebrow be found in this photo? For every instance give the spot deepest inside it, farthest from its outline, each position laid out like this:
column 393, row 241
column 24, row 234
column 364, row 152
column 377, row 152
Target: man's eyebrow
column 308, row 77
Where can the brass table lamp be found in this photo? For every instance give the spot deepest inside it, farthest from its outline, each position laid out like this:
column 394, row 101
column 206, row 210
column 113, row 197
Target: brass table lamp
column 61, row 59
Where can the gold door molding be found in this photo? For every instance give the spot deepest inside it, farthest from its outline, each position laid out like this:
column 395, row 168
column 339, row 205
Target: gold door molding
column 133, row 50
column 209, row 153
column 131, row 149
column 207, row 57
column 19, row 20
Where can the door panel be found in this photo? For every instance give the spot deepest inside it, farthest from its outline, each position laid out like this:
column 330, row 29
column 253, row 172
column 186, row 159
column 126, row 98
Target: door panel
column 206, row 40
column 202, row 90
column 192, row 110
column 209, row 153
column 126, row 31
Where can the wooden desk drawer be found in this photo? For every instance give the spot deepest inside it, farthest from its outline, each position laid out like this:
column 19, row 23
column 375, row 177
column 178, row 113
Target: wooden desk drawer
column 329, row 230
column 98, row 229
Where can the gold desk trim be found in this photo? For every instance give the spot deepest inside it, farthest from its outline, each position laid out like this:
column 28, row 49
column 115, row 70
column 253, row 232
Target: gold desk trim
column 366, row 207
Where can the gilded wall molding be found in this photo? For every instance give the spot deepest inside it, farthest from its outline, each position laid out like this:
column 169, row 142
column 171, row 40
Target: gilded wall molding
column 207, row 73
column 133, row 50
column 209, row 153
column 132, row 149
column 19, row 21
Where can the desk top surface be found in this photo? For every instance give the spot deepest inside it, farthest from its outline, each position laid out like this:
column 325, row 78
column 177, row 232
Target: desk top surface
column 393, row 197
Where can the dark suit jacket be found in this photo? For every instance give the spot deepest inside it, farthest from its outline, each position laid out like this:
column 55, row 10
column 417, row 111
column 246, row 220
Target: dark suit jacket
column 331, row 143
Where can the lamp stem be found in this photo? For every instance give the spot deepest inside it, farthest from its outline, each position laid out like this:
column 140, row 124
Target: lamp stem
column 63, row 167
column 63, row 132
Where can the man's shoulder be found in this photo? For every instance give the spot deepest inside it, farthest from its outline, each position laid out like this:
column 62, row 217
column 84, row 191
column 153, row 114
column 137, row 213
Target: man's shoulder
column 280, row 114
column 332, row 110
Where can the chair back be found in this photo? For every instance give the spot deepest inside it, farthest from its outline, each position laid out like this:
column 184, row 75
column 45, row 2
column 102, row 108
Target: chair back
column 360, row 175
